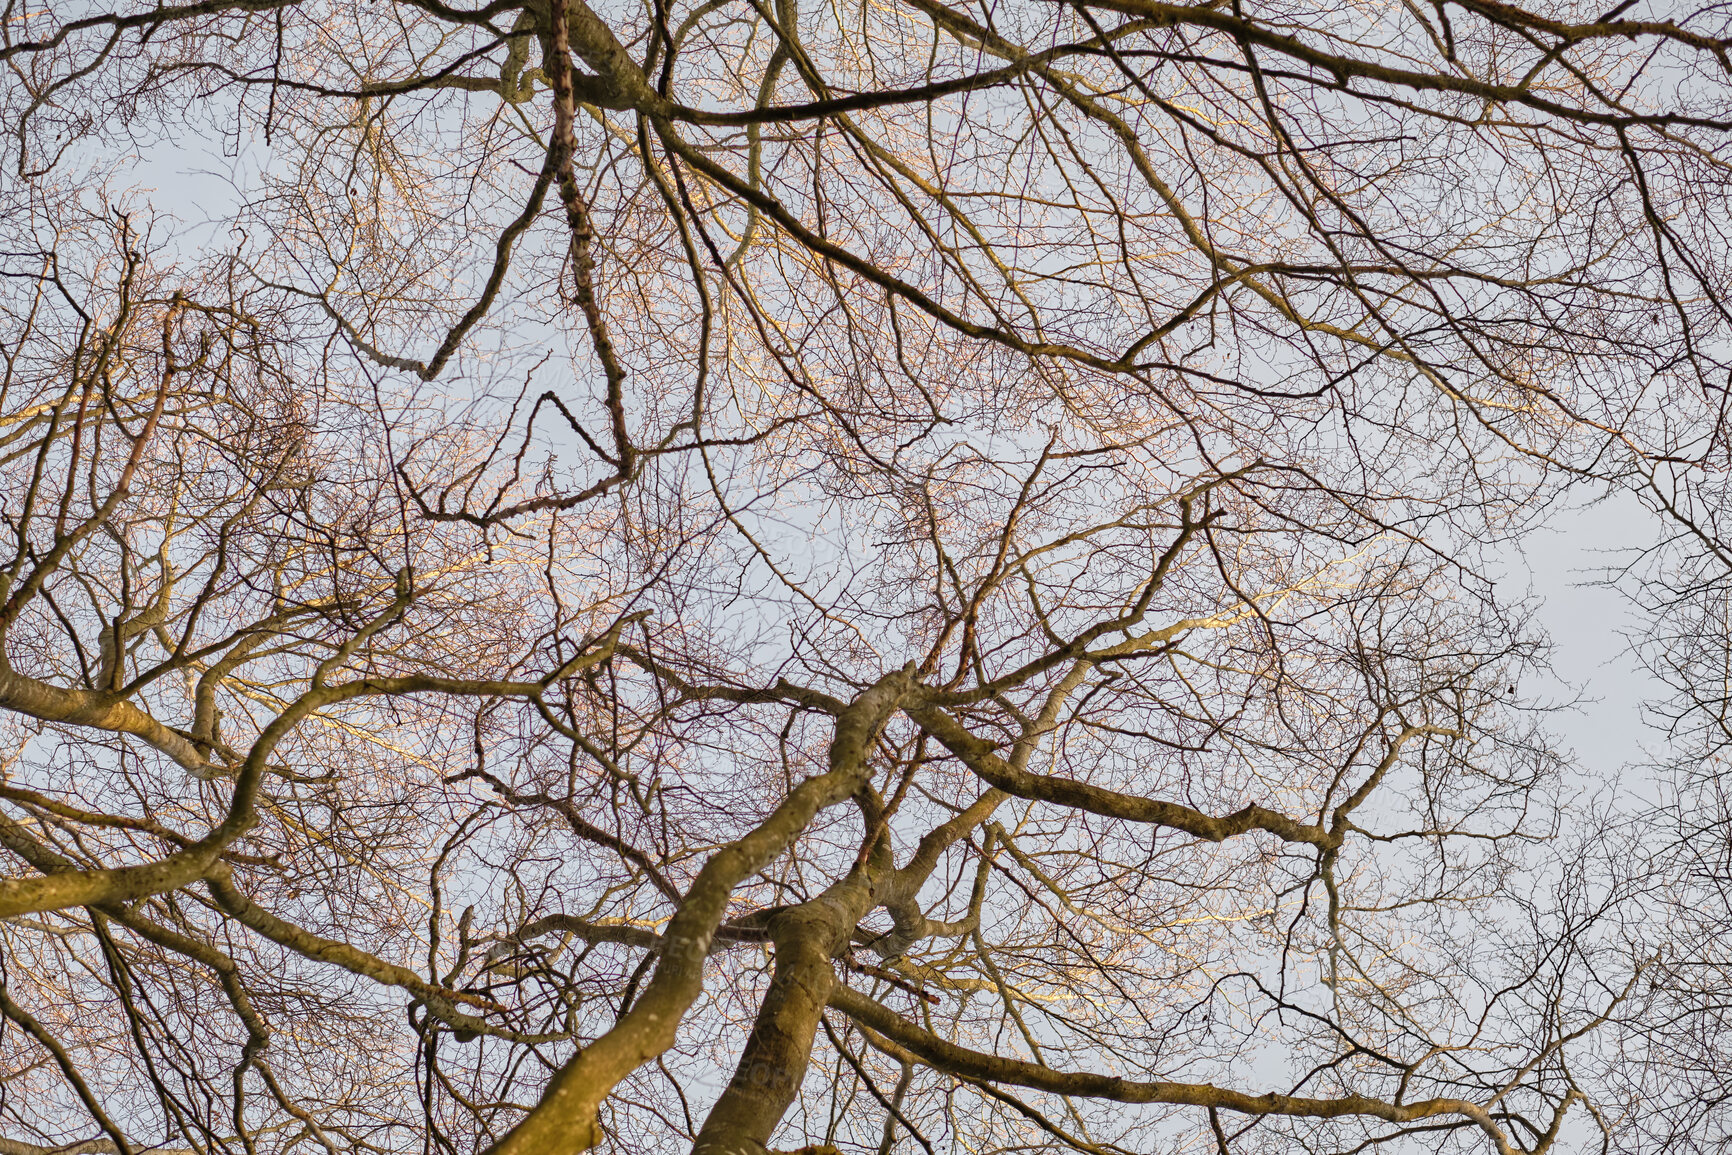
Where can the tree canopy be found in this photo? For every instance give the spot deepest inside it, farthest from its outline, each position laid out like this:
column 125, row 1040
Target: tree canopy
column 747, row 576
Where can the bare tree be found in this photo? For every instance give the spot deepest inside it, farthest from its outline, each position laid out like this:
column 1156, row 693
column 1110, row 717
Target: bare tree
column 749, row 577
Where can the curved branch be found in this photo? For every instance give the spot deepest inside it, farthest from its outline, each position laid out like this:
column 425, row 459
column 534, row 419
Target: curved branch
column 952, row 1058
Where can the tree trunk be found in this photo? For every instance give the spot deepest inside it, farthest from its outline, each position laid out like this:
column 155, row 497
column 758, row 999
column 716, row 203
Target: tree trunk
column 807, row 937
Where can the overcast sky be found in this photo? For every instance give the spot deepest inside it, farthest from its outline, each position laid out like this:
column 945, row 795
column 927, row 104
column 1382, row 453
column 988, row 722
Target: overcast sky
column 1591, row 627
